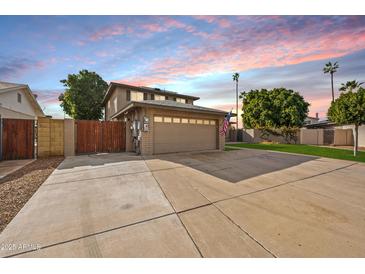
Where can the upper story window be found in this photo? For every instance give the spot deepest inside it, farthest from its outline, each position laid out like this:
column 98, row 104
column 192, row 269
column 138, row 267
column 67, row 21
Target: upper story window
column 181, row 100
column 152, row 97
column 19, row 98
column 145, row 96
column 160, row 97
column 134, row 95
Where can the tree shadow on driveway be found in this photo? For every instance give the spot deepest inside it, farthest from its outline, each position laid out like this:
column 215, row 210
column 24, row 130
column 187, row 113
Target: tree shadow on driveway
column 236, row 165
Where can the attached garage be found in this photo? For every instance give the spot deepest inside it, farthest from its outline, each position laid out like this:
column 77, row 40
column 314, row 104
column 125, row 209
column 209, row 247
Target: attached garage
column 179, row 134
column 168, row 127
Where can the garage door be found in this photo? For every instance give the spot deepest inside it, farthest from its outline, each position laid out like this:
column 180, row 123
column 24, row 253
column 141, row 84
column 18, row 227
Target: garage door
column 176, row 134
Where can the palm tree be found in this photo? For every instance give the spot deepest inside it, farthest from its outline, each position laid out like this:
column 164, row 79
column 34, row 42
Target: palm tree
column 350, row 85
column 331, row 69
column 235, row 77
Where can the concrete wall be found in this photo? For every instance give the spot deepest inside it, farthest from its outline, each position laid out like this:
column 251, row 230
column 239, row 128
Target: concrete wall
column 9, row 100
column 311, row 136
column 69, row 137
column 50, row 137
column 361, row 133
column 255, row 136
column 343, row 137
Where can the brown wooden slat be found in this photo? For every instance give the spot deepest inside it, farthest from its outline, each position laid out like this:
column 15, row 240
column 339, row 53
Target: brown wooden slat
column 96, row 136
column 17, row 139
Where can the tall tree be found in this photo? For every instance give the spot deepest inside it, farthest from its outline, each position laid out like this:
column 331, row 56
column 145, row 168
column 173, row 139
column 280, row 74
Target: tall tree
column 235, row 77
column 83, row 96
column 331, row 69
column 281, row 110
column 350, row 86
column 349, row 108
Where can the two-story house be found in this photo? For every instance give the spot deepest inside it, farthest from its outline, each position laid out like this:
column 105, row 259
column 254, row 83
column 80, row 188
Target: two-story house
column 18, row 102
column 161, row 121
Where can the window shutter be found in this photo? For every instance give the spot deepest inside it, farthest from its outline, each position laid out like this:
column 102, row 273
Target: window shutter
column 128, row 95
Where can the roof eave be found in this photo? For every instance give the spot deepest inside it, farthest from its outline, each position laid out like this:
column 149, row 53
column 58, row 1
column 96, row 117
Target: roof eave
column 139, row 104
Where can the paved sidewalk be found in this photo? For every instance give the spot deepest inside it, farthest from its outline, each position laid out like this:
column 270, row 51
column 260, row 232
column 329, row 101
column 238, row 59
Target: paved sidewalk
column 244, row 203
column 7, row 167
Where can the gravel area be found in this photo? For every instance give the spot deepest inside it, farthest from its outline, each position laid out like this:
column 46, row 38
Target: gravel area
column 17, row 188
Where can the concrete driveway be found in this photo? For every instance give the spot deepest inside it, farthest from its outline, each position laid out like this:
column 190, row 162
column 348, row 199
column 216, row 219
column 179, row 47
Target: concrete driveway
column 246, row 203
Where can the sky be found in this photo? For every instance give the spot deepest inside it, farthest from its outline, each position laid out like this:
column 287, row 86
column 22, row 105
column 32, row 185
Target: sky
column 194, row 55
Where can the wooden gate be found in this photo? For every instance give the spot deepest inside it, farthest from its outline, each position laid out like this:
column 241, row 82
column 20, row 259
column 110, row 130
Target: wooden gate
column 17, row 139
column 96, row 136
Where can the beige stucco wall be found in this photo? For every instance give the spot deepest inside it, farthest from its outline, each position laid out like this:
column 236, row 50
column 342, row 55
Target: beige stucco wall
column 343, row 137
column 311, row 136
column 361, row 133
column 69, row 137
column 147, row 139
column 9, row 101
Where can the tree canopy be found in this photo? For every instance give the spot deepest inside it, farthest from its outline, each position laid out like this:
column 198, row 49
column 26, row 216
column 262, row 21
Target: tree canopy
column 83, row 95
column 276, row 108
column 349, row 108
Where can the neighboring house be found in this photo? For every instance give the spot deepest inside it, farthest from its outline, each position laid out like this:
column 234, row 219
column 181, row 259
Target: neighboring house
column 163, row 121
column 311, row 120
column 18, row 102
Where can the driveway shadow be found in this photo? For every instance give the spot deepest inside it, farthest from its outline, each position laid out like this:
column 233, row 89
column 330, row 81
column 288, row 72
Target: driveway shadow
column 237, row 165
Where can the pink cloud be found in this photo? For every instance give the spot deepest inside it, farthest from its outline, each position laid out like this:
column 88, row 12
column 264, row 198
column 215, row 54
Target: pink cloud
column 107, row 32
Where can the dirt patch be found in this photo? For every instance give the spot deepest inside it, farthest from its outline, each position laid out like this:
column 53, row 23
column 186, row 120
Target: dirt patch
column 17, row 187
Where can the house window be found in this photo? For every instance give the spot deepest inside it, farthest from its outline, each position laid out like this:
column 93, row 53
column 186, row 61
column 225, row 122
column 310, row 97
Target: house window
column 176, row 120
column 212, row 122
column 181, row 100
column 136, row 96
column 19, row 98
column 160, row 97
column 184, row 121
column 206, row 122
column 199, row 122
column 192, row 121
column 152, row 97
column 157, row 119
column 128, row 95
column 145, row 96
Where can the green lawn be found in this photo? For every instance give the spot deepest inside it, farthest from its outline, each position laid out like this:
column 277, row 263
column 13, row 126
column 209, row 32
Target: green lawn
column 334, row 153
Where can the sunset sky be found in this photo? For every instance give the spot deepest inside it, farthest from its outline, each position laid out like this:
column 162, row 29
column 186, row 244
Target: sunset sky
column 189, row 54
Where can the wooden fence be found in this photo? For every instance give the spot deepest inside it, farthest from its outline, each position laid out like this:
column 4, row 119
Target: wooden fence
column 17, row 139
column 97, row 136
column 26, row 139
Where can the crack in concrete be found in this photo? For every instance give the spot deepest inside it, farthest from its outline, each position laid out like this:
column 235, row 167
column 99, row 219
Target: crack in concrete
column 93, row 234
column 182, row 211
column 177, row 215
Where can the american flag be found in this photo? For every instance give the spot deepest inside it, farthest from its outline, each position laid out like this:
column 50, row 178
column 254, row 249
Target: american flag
column 225, row 124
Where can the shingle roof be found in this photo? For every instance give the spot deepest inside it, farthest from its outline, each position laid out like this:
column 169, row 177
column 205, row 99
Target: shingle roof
column 170, row 104
column 7, row 85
